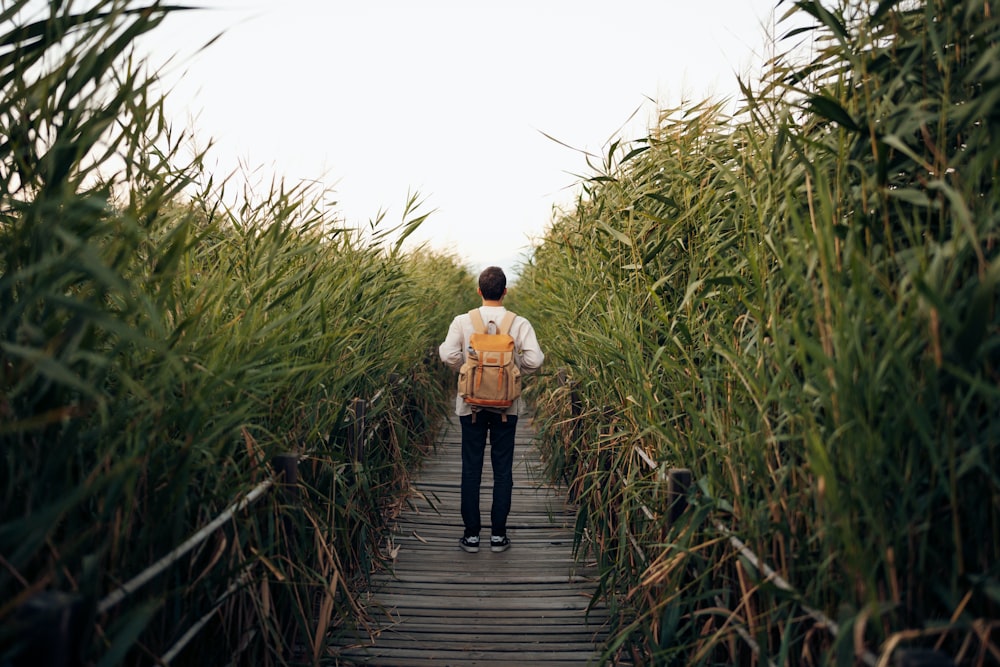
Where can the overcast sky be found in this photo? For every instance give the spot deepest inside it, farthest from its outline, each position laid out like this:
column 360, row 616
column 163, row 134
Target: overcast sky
column 375, row 99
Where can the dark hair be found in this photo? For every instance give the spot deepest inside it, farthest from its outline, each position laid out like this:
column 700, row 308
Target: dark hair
column 492, row 283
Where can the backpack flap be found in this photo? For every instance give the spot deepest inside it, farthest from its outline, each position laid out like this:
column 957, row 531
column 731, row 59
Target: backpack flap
column 489, row 377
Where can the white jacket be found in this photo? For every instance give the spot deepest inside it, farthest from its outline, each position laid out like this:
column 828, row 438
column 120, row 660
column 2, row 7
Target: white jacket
column 527, row 354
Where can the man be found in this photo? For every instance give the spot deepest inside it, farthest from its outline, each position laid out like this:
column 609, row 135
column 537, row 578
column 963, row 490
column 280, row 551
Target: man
column 499, row 426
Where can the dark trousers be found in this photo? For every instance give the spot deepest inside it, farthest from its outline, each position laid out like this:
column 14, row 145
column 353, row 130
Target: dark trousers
column 501, row 436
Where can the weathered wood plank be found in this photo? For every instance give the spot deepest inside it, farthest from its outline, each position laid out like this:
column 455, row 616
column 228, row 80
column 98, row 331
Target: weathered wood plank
column 546, row 626
column 442, row 606
column 444, row 658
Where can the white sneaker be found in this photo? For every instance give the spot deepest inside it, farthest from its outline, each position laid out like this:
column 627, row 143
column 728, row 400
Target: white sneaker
column 498, row 544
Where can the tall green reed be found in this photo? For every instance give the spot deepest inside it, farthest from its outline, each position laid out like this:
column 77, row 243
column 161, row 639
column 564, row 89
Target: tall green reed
column 799, row 304
column 159, row 347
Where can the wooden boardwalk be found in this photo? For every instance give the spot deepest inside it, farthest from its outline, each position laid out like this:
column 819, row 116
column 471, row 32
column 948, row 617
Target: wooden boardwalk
column 443, row 606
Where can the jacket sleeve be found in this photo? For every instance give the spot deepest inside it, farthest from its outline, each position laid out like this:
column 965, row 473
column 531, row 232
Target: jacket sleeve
column 452, row 351
column 529, row 353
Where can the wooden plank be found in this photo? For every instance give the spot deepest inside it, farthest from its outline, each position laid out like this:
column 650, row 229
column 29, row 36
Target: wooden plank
column 439, row 605
column 538, row 582
column 491, row 621
column 461, row 590
column 472, row 659
column 484, row 630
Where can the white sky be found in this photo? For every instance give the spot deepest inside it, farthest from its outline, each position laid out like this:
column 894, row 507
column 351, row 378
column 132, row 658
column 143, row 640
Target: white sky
column 378, row 98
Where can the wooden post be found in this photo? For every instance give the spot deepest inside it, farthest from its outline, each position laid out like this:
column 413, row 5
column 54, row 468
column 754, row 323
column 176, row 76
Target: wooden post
column 575, row 431
column 921, row 657
column 678, row 484
column 575, row 405
column 565, row 380
column 356, row 435
column 356, row 430
column 570, row 473
column 286, row 472
column 605, row 432
column 51, row 625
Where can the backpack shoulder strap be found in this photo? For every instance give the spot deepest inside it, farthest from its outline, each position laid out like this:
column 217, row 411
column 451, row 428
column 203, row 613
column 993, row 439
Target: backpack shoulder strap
column 477, row 321
column 507, row 322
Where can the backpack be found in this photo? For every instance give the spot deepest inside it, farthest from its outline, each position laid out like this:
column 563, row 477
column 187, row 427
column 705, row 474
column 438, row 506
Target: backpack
column 489, row 379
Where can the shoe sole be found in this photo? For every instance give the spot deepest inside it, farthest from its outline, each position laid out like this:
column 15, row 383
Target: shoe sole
column 497, row 550
column 469, row 549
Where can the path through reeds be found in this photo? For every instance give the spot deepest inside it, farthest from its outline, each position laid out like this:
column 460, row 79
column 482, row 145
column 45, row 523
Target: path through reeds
column 442, row 606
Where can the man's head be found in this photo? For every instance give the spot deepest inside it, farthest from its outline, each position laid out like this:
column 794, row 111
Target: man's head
column 492, row 283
